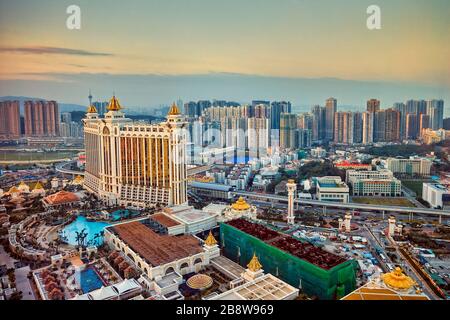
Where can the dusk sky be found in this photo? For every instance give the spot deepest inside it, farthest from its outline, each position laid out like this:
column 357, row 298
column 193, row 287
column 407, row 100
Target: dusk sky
column 154, row 52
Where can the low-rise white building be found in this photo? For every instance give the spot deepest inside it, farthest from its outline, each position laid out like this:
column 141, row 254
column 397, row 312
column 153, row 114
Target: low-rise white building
column 332, row 189
column 437, row 195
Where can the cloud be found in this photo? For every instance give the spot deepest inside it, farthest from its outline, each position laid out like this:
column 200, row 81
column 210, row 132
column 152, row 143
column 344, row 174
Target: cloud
column 53, row 50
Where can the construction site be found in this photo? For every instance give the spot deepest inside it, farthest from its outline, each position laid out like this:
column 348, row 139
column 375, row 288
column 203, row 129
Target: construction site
column 316, row 272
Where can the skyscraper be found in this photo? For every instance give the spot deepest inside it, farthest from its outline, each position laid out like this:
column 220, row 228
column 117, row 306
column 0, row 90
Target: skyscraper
column 133, row 164
column 373, row 105
column 330, row 110
column 379, row 126
column 288, row 125
column 258, row 136
column 412, row 126
column 318, row 125
column 392, row 128
column 403, row 109
column 424, row 122
column 41, row 118
column 435, row 109
column 277, row 108
column 343, row 127
column 368, row 127
column 10, row 120
column 101, row 107
column 303, row 138
column 357, row 127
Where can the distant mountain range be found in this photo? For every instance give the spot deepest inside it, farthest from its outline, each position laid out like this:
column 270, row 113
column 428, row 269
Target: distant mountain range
column 63, row 107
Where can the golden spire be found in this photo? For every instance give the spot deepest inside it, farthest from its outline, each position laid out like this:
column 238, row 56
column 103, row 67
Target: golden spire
column 174, row 111
column 240, row 205
column 397, row 280
column 254, row 264
column 210, row 240
column 114, row 104
column 91, row 109
column 38, row 186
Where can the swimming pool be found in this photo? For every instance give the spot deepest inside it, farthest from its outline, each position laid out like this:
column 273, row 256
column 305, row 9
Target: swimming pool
column 126, row 214
column 92, row 228
column 89, row 280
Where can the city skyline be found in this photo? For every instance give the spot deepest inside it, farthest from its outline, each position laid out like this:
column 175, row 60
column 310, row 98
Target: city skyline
column 154, row 57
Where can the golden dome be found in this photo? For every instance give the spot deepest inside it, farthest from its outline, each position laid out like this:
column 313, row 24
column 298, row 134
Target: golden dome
column 254, row 264
column 210, row 240
column 92, row 109
column 240, row 205
column 397, row 280
column 174, row 111
column 114, row 104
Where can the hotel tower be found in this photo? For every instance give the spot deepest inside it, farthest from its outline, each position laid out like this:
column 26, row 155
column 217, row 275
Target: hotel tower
column 134, row 164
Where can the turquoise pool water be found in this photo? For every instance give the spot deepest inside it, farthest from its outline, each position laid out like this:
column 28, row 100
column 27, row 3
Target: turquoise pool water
column 91, row 228
column 89, row 280
column 126, row 214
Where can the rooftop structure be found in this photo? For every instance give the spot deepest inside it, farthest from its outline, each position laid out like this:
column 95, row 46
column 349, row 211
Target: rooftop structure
column 61, row 198
column 154, row 248
column 347, row 165
column 157, row 253
column 266, row 287
column 436, row 194
column 300, row 264
column 332, row 189
column 390, row 286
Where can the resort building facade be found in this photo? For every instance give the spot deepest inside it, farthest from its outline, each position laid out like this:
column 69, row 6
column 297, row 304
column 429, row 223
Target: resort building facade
column 135, row 165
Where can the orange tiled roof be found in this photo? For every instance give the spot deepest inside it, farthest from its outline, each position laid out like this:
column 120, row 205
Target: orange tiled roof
column 61, row 198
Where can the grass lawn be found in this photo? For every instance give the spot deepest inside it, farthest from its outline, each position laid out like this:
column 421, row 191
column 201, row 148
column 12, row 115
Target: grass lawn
column 35, row 156
column 415, row 185
column 398, row 202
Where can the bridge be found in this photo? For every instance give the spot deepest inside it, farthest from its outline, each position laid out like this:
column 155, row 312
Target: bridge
column 348, row 206
column 197, row 170
column 60, row 167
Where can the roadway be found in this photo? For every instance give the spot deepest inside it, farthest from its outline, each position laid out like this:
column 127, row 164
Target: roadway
column 61, row 167
column 347, row 206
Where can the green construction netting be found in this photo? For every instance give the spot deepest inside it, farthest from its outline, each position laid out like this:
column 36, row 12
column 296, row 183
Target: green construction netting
column 314, row 281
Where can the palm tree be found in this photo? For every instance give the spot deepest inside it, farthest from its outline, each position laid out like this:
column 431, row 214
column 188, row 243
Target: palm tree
column 81, row 237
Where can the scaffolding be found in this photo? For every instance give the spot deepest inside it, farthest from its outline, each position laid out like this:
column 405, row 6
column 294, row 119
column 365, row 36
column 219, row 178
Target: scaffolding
column 313, row 270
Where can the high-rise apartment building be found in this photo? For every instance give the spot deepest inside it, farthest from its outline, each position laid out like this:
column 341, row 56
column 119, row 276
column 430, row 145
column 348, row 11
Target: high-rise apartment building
column 318, row 126
column 368, row 127
column 134, row 164
column 330, row 110
column 424, row 123
column 101, row 107
column 41, row 118
column 357, row 127
column 373, row 105
column 435, row 109
column 392, row 129
column 303, row 138
column 412, row 126
column 258, row 137
column 288, row 125
column 10, row 120
column 343, row 127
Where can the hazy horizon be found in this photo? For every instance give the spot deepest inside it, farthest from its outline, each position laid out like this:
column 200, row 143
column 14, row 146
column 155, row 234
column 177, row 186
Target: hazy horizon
column 154, row 52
